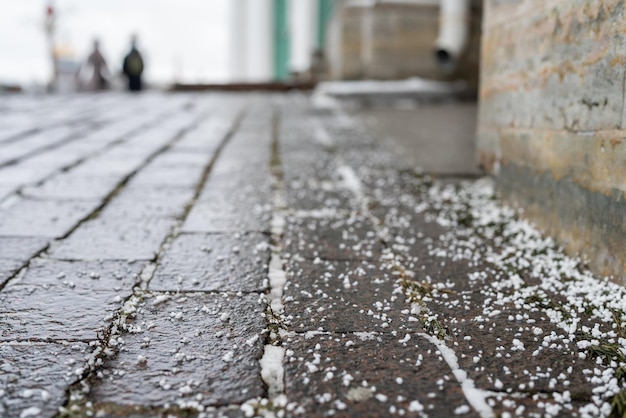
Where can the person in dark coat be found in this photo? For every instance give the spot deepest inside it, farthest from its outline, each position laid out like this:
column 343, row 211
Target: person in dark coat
column 133, row 67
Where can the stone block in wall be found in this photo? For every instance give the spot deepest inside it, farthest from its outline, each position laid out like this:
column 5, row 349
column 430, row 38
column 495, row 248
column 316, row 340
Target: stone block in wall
column 552, row 123
column 557, row 65
column 396, row 41
column 400, row 41
column 345, row 44
column 571, row 184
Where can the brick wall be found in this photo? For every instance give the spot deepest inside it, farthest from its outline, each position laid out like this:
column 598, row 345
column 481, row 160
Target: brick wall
column 552, row 124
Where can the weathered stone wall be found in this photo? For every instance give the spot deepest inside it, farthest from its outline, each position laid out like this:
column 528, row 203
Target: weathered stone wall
column 395, row 41
column 552, row 124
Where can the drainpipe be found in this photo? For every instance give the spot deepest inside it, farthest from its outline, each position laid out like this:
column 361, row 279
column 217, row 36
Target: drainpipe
column 453, row 33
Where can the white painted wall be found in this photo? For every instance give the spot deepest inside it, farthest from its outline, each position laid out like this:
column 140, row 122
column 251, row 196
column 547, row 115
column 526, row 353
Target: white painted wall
column 259, row 41
column 239, row 38
column 303, row 30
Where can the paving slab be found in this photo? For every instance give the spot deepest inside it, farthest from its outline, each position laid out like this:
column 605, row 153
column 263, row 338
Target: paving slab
column 207, row 217
column 214, row 263
column 6, row 191
column 192, row 348
column 15, row 252
column 8, row 268
column 138, row 411
column 355, row 375
column 115, row 239
column 394, row 303
column 165, row 176
column 21, row 248
column 131, row 227
column 338, row 296
column 352, row 238
column 44, row 218
column 90, row 275
column 57, row 313
column 60, row 300
column 70, row 186
column 137, row 202
column 34, row 377
column 33, row 143
column 302, row 196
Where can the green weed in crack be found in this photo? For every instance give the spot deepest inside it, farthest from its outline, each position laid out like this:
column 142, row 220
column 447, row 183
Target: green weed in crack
column 618, row 405
column 275, row 324
column 415, row 293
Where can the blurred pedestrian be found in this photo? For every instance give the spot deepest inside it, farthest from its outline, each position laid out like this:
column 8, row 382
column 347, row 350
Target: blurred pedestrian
column 98, row 70
column 133, row 66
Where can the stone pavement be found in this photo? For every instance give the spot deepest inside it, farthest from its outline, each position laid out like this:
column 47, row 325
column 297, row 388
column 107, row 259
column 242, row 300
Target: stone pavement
column 241, row 255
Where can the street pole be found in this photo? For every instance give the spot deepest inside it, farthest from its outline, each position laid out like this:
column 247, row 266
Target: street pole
column 50, row 27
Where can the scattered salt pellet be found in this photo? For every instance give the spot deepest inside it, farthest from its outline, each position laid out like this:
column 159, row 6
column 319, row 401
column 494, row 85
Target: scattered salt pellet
column 416, row 406
column 160, row 299
column 463, row 409
column 33, row 411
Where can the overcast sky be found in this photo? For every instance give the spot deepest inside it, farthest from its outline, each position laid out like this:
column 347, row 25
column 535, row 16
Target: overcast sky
column 184, row 38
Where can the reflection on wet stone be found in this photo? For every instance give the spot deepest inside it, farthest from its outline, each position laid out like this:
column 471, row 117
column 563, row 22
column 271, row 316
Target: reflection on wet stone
column 193, row 348
column 34, row 377
column 43, row 218
column 56, row 313
column 214, row 262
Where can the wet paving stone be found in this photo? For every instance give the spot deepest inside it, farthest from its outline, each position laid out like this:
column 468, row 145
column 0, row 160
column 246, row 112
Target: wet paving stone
column 6, row 191
column 311, row 199
column 56, row 313
column 217, row 217
column 44, row 218
column 203, row 141
column 503, row 353
column 169, row 176
column 301, row 167
column 355, row 375
column 74, row 187
column 114, row 239
column 21, row 248
column 332, row 239
column 214, row 262
column 15, row 252
column 196, row 348
column 537, row 405
column 34, row 377
column 8, row 268
column 179, row 158
column 138, row 202
column 252, row 188
column 91, row 275
column 345, row 297
column 111, row 410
